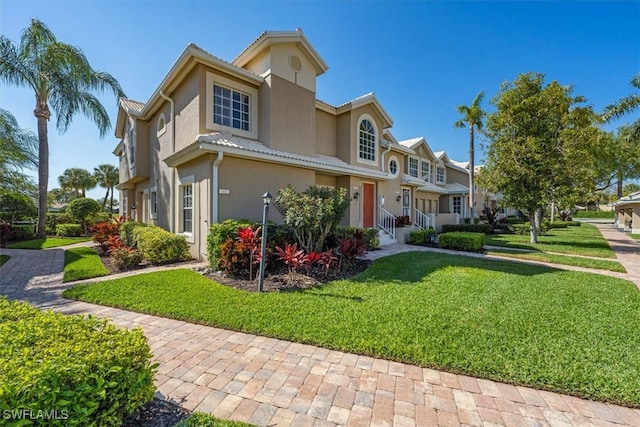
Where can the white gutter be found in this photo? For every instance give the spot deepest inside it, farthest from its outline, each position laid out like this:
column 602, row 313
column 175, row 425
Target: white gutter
column 214, row 188
column 172, row 210
column 382, row 157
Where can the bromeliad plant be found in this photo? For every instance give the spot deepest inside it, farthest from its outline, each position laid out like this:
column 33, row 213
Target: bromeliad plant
column 251, row 241
column 291, row 256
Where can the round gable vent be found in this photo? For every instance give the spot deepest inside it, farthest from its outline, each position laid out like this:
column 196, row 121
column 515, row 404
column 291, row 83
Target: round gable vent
column 295, row 63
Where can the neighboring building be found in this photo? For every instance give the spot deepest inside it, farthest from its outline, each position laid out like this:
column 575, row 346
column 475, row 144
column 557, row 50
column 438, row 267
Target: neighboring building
column 627, row 213
column 215, row 136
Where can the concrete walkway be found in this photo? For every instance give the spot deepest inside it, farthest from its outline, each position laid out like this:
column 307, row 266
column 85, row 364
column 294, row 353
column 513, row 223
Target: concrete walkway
column 267, row 381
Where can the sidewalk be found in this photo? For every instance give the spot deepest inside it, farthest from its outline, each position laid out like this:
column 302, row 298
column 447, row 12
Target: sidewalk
column 266, row 381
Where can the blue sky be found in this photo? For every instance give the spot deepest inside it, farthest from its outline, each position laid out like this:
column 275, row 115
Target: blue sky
column 422, row 59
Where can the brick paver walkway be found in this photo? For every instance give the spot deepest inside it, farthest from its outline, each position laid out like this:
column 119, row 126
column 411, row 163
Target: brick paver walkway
column 266, row 381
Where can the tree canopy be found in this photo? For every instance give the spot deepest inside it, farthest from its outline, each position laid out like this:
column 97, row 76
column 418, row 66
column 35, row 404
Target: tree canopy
column 62, row 80
column 539, row 138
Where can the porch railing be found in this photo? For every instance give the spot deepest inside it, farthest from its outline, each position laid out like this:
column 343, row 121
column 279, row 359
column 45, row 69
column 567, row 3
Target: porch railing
column 387, row 221
column 421, row 220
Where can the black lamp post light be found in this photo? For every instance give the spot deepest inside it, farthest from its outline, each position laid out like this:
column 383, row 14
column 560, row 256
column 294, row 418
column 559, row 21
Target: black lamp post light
column 266, row 199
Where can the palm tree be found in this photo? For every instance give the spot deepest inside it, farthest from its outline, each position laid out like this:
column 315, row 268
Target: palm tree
column 472, row 116
column 77, row 179
column 107, row 176
column 18, row 151
column 625, row 105
column 61, row 77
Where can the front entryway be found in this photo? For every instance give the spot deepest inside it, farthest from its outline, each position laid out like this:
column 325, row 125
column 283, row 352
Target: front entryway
column 368, row 199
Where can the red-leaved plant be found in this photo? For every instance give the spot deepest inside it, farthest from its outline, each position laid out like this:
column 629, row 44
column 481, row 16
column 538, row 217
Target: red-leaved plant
column 251, row 240
column 291, row 256
column 327, row 260
column 113, row 243
column 349, row 250
column 309, row 260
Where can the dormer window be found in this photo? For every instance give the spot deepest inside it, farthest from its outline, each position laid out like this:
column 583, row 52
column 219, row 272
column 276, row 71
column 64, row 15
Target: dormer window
column 440, row 177
column 426, row 171
column 230, row 108
column 413, row 167
column 367, row 144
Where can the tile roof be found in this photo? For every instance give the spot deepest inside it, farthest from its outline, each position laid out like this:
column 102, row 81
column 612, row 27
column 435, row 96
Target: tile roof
column 463, row 165
column 256, row 148
column 130, row 104
column 411, row 142
column 456, row 188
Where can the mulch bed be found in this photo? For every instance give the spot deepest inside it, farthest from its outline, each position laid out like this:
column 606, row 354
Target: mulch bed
column 156, row 413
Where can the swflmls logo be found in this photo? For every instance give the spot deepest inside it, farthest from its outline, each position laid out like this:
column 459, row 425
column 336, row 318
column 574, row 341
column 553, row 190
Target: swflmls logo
column 28, row 414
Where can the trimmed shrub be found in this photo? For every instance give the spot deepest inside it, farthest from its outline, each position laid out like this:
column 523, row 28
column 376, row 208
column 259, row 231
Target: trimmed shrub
column 69, row 230
column 369, row 235
column 574, row 223
column 22, row 232
column 421, row 237
column 159, row 246
column 526, row 228
column 469, row 228
column 595, row 214
column 514, row 220
column 53, row 219
column 82, row 209
column 462, row 241
column 234, row 258
column 126, row 258
column 87, row 369
column 103, row 230
column 126, row 232
column 219, row 233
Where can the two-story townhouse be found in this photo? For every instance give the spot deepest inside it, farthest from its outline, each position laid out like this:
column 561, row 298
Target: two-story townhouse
column 215, row 135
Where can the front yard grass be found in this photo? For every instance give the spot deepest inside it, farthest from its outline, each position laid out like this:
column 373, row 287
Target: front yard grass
column 82, row 263
column 565, row 331
column 4, row 258
column 49, row 242
column 583, row 240
column 636, row 236
column 598, row 264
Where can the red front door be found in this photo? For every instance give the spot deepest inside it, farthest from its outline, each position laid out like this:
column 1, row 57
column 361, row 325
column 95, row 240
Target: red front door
column 367, row 205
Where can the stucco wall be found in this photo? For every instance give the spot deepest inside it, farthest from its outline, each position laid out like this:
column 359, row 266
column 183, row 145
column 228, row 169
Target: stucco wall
column 325, row 133
column 187, row 108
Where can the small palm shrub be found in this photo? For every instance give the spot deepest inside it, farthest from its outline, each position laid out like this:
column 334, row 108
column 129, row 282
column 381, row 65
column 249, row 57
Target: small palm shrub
column 462, row 241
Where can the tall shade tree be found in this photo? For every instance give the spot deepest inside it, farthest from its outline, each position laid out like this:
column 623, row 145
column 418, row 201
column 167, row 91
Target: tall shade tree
column 472, row 117
column 624, row 106
column 63, row 80
column 77, row 179
column 18, row 151
column 107, row 176
column 539, row 139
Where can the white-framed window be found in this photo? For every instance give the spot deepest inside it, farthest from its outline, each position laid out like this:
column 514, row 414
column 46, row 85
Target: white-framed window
column 132, row 145
column 413, row 167
column 153, row 203
column 186, row 195
column 161, row 126
column 394, row 166
column 367, row 146
column 426, row 170
column 456, row 204
column 440, row 175
column 231, row 108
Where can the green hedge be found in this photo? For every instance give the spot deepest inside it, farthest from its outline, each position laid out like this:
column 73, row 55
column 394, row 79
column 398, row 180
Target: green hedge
column 69, row 230
column 526, row 228
column 218, row 234
column 468, row 228
column 421, row 237
column 557, row 224
column 574, row 223
column 462, row 241
column 159, row 246
column 514, row 220
column 126, row 232
column 595, row 214
column 22, row 232
column 53, row 219
column 85, row 369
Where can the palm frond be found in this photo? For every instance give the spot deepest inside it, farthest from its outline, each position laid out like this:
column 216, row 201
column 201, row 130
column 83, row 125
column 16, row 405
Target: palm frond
column 622, row 107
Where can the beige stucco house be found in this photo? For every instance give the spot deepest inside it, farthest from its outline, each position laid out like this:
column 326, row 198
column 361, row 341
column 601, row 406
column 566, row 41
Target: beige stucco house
column 627, row 213
column 215, row 135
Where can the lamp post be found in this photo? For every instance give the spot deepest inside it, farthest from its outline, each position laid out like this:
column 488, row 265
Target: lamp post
column 266, row 199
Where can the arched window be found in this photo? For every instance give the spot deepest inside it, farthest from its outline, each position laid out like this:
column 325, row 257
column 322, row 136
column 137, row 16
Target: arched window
column 367, row 142
column 162, row 125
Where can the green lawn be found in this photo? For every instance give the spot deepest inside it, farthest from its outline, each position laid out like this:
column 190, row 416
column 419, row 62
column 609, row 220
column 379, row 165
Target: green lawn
column 201, row 419
column 4, row 258
column 583, row 240
column 566, row 331
column 82, row 263
column 598, row 264
column 636, row 236
column 49, row 242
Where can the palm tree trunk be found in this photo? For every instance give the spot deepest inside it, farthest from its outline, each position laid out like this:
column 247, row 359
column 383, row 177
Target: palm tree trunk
column 111, row 199
column 104, row 202
column 42, row 114
column 471, row 170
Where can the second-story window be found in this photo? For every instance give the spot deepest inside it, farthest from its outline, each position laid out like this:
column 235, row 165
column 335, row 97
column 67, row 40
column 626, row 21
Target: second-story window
column 426, row 171
column 230, row 108
column 367, row 141
column 440, row 175
column 413, row 167
column 132, row 146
